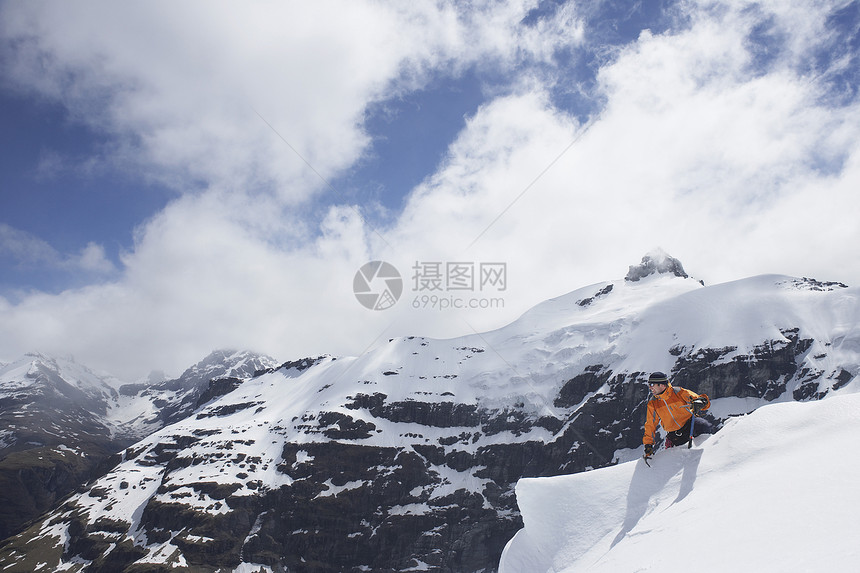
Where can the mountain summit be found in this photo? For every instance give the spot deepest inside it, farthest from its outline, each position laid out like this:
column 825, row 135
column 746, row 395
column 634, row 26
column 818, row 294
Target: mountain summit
column 656, row 262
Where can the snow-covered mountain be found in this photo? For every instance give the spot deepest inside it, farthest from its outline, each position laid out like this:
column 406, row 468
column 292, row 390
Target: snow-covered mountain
column 50, row 377
column 53, row 433
column 773, row 491
column 406, row 458
column 61, row 422
column 146, row 406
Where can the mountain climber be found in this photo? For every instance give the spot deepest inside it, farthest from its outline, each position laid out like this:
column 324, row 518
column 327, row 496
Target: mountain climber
column 673, row 408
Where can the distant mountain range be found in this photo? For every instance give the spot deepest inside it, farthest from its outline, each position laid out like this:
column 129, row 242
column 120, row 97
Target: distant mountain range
column 404, row 458
column 61, row 422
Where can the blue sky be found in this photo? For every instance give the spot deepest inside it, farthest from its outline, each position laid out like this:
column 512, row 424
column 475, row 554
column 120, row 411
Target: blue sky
column 177, row 178
column 57, row 195
column 410, row 136
column 63, row 189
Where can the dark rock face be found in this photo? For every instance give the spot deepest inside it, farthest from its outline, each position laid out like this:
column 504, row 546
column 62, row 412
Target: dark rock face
column 575, row 389
column 807, row 283
column 602, row 292
column 104, row 556
column 32, row 481
column 656, row 264
column 761, row 374
column 217, row 388
column 385, row 520
column 432, row 414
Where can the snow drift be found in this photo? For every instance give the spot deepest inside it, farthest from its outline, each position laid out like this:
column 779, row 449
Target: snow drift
column 775, row 490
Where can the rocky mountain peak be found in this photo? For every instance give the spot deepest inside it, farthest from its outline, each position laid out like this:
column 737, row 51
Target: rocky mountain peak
column 227, row 363
column 656, row 262
column 40, row 370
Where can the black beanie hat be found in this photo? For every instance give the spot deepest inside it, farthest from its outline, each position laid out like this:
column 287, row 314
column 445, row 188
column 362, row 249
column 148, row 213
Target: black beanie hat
column 658, row 378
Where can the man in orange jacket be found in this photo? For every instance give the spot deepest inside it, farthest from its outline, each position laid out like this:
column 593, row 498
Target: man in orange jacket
column 673, row 408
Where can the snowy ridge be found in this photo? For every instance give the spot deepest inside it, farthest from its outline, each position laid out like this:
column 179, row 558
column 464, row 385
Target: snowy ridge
column 419, row 443
column 766, row 493
column 144, row 407
column 38, row 369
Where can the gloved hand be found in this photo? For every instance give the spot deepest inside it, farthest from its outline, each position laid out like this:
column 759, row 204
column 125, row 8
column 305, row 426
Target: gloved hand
column 698, row 405
column 649, row 450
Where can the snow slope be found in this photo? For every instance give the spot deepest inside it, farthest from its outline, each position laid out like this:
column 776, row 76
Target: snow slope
column 406, row 457
column 38, row 369
column 775, row 490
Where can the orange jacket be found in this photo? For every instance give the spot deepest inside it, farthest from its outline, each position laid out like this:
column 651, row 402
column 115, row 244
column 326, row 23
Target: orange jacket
column 671, row 409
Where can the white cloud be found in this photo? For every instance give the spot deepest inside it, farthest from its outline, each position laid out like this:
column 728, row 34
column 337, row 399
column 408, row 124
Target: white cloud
column 201, row 278
column 695, row 152
column 181, row 88
column 733, row 170
column 25, row 248
column 28, row 251
column 92, row 259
